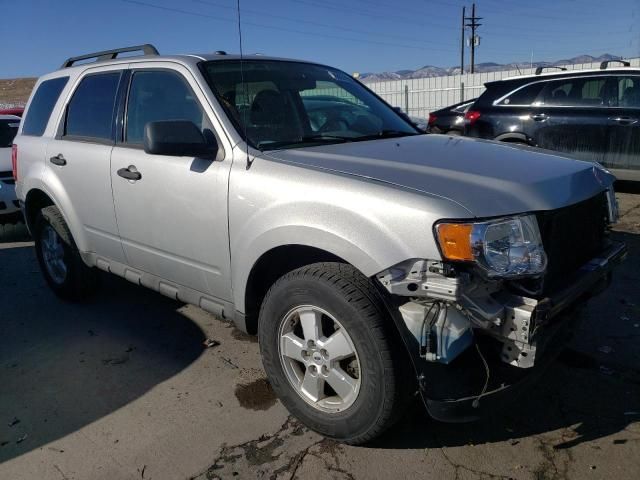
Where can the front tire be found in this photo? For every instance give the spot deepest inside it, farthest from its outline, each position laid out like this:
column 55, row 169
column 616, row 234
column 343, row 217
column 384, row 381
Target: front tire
column 330, row 354
column 60, row 262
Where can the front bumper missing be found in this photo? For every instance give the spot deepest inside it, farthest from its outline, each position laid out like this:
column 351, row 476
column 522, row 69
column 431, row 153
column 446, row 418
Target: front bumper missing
column 525, row 320
column 553, row 320
column 539, row 329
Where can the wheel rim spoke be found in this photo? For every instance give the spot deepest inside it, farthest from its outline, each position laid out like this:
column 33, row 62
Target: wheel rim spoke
column 53, row 254
column 313, row 362
column 338, row 346
column 292, row 346
column 313, row 385
column 311, row 324
column 343, row 384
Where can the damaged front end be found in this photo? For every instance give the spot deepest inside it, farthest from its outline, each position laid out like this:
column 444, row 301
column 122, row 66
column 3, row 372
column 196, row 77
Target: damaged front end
column 475, row 334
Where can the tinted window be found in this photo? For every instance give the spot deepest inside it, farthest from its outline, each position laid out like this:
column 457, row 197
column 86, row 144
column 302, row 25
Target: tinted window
column 629, row 92
column 525, row 96
column 8, row 130
column 92, row 108
column 577, row 92
column 160, row 95
column 42, row 104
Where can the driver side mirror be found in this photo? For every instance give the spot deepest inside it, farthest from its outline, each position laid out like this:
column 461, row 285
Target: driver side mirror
column 177, row 138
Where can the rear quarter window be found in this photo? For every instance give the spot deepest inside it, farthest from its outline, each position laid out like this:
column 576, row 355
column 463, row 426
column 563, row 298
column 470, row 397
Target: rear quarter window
column 526, row 95
column 42, row 105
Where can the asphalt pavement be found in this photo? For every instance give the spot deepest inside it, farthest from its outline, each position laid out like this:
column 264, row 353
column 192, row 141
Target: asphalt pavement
column 132, row 385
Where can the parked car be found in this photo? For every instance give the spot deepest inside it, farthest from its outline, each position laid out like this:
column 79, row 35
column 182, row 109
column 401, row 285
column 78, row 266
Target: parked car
column 17, row 111
column 591, row 115
column 9, row 206
column 418, row 122
column 373, row 263
column 449, row 120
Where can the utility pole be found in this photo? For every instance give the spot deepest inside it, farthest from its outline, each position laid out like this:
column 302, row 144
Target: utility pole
column 464, row 10
column 473, row 24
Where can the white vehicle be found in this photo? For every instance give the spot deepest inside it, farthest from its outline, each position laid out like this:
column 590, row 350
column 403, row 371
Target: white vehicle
column 9, row 206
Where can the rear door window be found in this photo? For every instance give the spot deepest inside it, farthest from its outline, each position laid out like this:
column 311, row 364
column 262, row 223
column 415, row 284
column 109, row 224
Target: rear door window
column 42, row 105
column 91, row 111
column 629, row 92
column 577, row 92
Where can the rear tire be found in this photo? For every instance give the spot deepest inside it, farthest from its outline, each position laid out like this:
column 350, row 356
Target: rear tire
column 354, row 402
column 60, row 262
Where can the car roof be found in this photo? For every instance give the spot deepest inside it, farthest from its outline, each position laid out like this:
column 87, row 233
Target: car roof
column 10, row 117
column 191, row 60
column 569, row 73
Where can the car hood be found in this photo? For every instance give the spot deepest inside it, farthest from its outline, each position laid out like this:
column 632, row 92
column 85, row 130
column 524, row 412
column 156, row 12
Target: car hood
column 487, row 178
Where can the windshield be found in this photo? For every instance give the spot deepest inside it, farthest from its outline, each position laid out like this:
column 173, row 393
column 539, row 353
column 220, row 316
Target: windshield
column 8, row 131
column 291, row 104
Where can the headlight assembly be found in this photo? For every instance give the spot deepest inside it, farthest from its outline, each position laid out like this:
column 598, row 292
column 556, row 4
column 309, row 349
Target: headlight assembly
column 504, row 247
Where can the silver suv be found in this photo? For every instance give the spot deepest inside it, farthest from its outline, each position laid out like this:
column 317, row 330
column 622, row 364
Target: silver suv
column 372, row 261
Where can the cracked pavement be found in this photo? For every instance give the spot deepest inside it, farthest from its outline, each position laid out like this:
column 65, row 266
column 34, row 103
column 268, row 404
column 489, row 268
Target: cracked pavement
column 124, row 387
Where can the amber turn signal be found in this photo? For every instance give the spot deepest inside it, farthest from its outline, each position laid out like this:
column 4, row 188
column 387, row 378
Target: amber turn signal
column 455, row 240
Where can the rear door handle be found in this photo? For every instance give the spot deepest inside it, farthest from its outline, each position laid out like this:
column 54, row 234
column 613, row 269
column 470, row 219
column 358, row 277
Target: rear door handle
column 539, row 117
column 623, row 120
column 58, row 160
column 130, row 173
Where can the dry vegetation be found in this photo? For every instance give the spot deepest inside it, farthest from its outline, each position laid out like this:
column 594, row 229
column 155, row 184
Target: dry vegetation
column 15, row 91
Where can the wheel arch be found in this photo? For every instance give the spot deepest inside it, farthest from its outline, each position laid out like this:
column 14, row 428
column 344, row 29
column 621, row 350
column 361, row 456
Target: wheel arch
column 513, row 137
column 38, row 198
column 35, row 200
column 272, row 265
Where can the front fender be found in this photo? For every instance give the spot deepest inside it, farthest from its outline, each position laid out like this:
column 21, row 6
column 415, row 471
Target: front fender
column 368, row 224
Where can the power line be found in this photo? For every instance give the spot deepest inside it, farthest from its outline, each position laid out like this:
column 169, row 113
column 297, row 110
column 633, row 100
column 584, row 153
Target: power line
column 451, row 49
column 309, row 22
column 399, row 19
column 272, row 27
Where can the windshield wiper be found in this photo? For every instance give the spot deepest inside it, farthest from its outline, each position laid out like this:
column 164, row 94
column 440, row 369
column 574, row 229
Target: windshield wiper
column 303, row 140
column 386, row 134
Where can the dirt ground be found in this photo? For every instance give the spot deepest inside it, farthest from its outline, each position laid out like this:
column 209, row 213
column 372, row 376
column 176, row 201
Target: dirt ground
column 122, row 387
column 15, row 91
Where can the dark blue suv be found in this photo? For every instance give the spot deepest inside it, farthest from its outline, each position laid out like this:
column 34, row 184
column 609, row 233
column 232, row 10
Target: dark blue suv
column 590, row 115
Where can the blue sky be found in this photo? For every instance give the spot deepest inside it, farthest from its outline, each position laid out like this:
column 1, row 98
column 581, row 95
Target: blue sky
column 355, row 35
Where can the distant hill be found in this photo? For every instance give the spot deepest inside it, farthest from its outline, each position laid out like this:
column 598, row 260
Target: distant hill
column 15, row 92
column 432, row 71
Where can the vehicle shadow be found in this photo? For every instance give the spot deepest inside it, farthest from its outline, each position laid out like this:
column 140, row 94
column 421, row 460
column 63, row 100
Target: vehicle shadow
column 627, row 186
column 64, row 366
column 591, row 391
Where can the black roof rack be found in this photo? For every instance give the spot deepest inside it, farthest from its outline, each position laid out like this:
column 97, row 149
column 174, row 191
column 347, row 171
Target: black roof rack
column 605, row 64
column 539, row 70
column 147, row 49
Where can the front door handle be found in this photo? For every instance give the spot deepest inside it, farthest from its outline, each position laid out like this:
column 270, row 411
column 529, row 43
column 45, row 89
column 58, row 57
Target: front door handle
column 130, row 173
column 539, row 117
column 624, row 120
column 58, row 160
